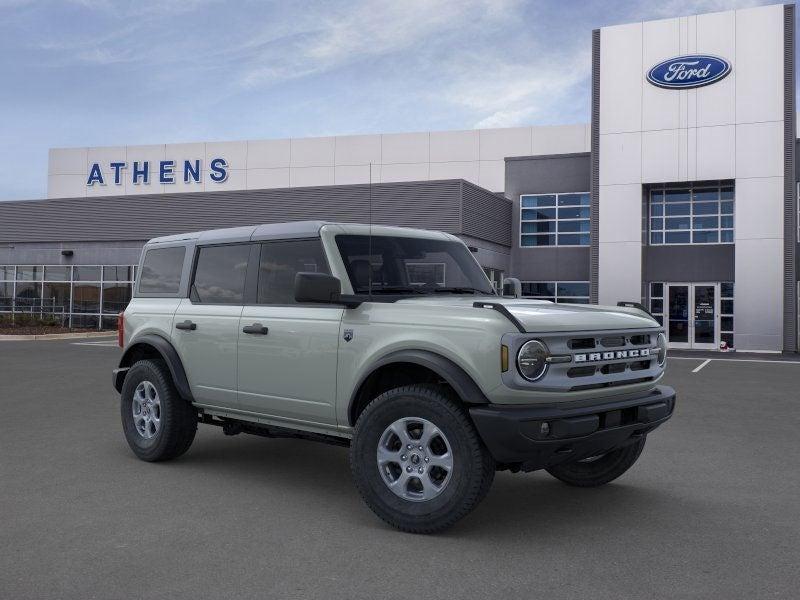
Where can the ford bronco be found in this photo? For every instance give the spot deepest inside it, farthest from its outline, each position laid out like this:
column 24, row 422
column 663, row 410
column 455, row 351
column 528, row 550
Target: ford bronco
column 393, row 342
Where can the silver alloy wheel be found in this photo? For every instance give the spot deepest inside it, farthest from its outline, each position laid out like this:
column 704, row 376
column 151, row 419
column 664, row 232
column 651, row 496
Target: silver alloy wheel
column 415, row 459
column 146, row 408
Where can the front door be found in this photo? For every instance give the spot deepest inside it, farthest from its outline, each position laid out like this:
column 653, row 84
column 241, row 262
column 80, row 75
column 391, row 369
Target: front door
column 288, row 351
column 692, row 315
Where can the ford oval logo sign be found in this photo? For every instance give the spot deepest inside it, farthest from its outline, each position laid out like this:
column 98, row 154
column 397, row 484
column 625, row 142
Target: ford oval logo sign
column 683, row 72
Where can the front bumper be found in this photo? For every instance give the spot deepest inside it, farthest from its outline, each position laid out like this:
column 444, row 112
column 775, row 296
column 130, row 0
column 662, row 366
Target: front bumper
column 535, row 437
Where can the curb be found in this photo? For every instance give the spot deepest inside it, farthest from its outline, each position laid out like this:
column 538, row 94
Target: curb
column 55, row 336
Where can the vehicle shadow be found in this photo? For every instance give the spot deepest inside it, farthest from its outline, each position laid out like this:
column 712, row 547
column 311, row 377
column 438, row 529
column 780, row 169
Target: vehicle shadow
column 318, row 475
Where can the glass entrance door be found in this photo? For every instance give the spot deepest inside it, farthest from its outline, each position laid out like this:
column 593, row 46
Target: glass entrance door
column 692, row 315
column 704, row 328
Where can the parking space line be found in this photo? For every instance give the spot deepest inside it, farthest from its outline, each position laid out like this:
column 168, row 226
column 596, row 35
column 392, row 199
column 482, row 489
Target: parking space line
column 752, row 360
column 104, row 344
column 701, row 365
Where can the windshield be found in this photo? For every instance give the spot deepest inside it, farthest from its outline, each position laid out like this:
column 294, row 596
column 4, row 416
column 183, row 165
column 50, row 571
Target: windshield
column 402, row 265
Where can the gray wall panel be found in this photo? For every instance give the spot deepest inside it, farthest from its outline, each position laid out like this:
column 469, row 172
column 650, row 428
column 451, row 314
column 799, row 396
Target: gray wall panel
column 425, row 204
column 688, row 263
column 486, row 216
column 553, row 264
column 789, row 179
column 594, row 248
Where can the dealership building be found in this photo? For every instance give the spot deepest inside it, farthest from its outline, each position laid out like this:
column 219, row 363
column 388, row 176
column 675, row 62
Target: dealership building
column 680, row 193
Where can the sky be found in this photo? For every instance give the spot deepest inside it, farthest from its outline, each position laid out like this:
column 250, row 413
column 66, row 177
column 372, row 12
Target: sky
column 102, row 73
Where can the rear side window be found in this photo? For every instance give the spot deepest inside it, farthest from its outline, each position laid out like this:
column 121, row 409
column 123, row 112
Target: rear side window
column 161, row 270
column 220, row 274
column 281, row 261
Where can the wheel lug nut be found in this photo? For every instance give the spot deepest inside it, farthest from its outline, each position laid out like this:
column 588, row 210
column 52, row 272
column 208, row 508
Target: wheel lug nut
column 420, row 447
column 420, row 470
column 403, row 457
column 409, row 469
column 409, row 447
column 427, row 459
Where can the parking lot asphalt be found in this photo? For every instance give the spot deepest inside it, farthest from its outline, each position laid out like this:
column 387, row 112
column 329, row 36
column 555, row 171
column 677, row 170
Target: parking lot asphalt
column 711, row 510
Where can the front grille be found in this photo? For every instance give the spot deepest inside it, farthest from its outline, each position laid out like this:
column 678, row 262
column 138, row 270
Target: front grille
column 613, row 342
column 596, row 359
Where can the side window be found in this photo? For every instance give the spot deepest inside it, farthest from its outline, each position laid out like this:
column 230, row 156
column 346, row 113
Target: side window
column 161, row 271
column 280, row 262
column 220, row 274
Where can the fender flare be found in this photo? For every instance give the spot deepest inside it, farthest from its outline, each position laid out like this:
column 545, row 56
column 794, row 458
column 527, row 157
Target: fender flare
column 454, row 375
column 167, row 352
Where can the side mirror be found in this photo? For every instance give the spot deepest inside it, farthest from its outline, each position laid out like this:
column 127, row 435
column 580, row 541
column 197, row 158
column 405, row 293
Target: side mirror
column 512, row 287
column 317, row 287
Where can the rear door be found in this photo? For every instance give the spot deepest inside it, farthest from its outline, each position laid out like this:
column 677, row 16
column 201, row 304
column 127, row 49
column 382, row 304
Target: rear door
column 288, row 351
column 206, row 325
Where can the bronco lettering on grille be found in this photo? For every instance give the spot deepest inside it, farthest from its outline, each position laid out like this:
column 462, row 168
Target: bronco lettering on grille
column 616, row 355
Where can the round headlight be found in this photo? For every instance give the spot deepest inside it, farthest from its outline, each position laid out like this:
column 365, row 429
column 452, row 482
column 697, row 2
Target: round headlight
column 662, row 349
column 532, row 360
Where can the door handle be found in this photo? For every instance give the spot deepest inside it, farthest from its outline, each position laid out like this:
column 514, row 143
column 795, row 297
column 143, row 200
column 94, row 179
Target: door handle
column 256, row 328
column 187, row 325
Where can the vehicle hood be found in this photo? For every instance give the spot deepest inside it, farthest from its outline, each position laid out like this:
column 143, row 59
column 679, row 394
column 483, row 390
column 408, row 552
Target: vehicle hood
column 543, row 316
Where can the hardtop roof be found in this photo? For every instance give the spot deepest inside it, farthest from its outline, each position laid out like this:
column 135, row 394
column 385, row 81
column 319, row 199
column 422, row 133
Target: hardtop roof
column 289, row 230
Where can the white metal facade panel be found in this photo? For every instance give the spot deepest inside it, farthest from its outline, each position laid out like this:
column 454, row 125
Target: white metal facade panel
column 732, row 129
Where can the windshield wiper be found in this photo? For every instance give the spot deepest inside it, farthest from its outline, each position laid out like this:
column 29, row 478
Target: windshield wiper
column 460, row 290
column 393, row 289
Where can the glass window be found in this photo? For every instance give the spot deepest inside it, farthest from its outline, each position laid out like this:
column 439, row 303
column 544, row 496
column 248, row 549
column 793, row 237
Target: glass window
column 29, row 273
column 6, row 272
column 573, row 292
column 86, row 273
column 116, row 297
column 55, row 297
column 117, row 273
column 85, row 321
column 108, row 322
column 86, row 298
column 6, row 295
column 539, row 288
column 220, row 274
column 28, row 294
column 726, row 290
column 161, row 271
column 542, row 215
column 57, row 273
column 281, row 261
column 693, row 216
column 382, row 266
column 573, row 288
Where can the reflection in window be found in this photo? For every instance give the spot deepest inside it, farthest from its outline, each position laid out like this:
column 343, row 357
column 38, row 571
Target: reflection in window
column 554, row 220
column 699, row 215
column 161, row 271
column 116, row 297
column 280, row 262
column 571, row 292
column 220, row 273
column 47, row 291
column 86, row 298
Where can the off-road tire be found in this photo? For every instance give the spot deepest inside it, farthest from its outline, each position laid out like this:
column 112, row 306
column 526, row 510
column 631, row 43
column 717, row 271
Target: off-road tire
column 473, row 466
column 600, row 471
column 178, row 418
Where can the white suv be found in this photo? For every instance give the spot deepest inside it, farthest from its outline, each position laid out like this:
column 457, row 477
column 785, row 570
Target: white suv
column 391, row 341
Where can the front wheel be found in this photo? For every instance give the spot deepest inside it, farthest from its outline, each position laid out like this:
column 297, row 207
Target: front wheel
column 599, row 470
column 418, row 461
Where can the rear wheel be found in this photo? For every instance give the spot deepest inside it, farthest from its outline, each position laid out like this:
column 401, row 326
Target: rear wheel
column 417, row 460
column 601, row 469
column 158, row 423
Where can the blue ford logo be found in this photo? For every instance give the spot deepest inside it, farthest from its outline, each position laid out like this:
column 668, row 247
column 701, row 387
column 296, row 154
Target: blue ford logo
column 684, row 72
